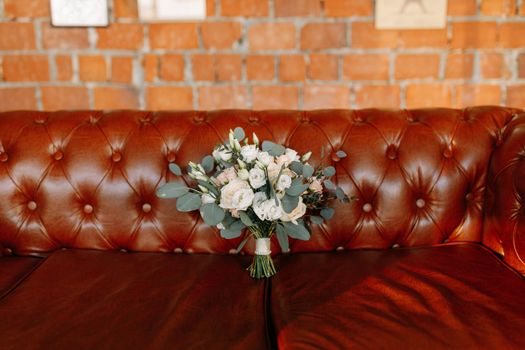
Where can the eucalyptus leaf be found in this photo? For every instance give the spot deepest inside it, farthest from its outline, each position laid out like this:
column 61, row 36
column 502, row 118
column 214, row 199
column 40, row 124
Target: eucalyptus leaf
column 209, row 186
column 316, row 219
column 242, row 244
column 207, row 163
column 189, row 202
column 239, row 134
column 308, row 170
column 245, row 218
column 296, row 190
column 172, row 190
column 341, row 195
column 267, row 146
column 327, row 213
column 277, row 150
column 233, row 231
column 228, row 219
column 296, row 231
column 289, row 203
column 174, row 168
column 329, row 171
column 297, row 167
column 341, row 154
column 282, row 238
column 212, row 214
column 329, row 184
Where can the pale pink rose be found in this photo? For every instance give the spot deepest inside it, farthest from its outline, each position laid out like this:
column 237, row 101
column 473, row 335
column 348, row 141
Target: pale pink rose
column 230, row 174
column 316, row 186
column 234, row 213
column 221, row 179
column 297, row 213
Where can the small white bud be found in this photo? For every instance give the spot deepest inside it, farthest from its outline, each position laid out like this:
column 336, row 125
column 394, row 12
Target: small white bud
column 203, row 189
column 236, row 145
column 255, row 140
column 241, row 164
column 306, row 156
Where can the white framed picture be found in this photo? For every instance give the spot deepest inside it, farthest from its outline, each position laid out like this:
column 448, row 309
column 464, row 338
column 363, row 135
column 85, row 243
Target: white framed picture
column 411, row 14
column 172, row 10
column 79, row 13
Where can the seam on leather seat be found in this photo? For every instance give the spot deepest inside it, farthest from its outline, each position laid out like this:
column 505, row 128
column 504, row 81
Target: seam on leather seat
column 271, row 338
column 22, row 279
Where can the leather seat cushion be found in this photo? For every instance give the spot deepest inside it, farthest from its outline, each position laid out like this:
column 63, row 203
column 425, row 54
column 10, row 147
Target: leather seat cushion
column 451, row 296
column 113, row 300
column 13, row 270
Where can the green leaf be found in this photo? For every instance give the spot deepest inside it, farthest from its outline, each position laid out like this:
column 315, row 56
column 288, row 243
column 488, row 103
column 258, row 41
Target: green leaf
column 172, row 190
column 308, row 170
column 239, row 134
column 245, row 218
column 208, row 163
column 289, row 203
column 239, row 248
column 329, row 184
column 329, row 171
column 296, row 231
column 212, row 214
column 327, row 213
column 228, row 219
column 209, row 186
column 189, row 202
column 233, row 231
column 316, row 219
column 341, row 195
column 296, row 190
column 341, row 154
column 267, row 146
column 282, row 238
column 174, row 168
column 297, row 167
column 273, row 148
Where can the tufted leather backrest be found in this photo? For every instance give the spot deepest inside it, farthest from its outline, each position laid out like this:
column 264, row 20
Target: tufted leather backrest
column 88, row 179
column 504, row 229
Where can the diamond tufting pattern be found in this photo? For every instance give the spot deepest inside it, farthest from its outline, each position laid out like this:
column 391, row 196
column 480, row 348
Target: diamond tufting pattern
column 88, row 179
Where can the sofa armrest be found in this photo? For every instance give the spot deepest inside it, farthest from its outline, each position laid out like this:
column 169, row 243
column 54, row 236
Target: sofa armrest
column 504, row 223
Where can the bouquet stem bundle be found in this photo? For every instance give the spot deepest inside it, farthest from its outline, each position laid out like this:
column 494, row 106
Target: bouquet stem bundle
column 262, row 267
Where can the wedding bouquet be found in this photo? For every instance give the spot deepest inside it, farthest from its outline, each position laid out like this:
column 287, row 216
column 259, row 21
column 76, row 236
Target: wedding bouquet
column 266, row 188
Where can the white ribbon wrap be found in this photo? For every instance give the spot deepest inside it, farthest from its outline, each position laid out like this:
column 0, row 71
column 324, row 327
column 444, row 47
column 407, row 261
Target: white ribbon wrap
column 262, row 246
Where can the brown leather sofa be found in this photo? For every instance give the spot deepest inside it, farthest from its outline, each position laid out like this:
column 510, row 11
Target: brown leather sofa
column 428, row 256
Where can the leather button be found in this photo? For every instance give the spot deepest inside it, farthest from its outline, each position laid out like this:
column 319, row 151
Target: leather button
column 340, row 248
column 367, row 207
column 88, row 208
column 447, row 153
column 253, row 119
column 177, row 250
column 116, row 157
column 8, row 251
column 31, row 205
column 305, row 119
column 146, row 119
column 146, row 207
column 93, row 119
column 357, row 118
column 420, row 203
column 335, row 157
column 3, row 157
column 123, row 250
column 232, row 251
column 58, row 155
column 199, row 118
column 190, row 251
column 391, row 152
column 40, row 120
column 468, row 196
column 171, row 157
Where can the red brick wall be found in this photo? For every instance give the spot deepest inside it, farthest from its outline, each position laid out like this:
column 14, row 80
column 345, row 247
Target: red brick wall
column 263, row 54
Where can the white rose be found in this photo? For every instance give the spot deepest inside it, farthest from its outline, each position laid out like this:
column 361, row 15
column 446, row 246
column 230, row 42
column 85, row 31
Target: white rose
column 273, row 171
column 291, row 154
column 284, row 182
column 258, row 205
column 207, row 198
column 230, row 190
column 316, row 186
column 273, row 210
column 243, row 174
column 230, row 174
column 283, row 159
column 249, row 153
column 257, row 178
column 242, row 199
column 297, row 213
column 222, row 154
column 265, row 158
